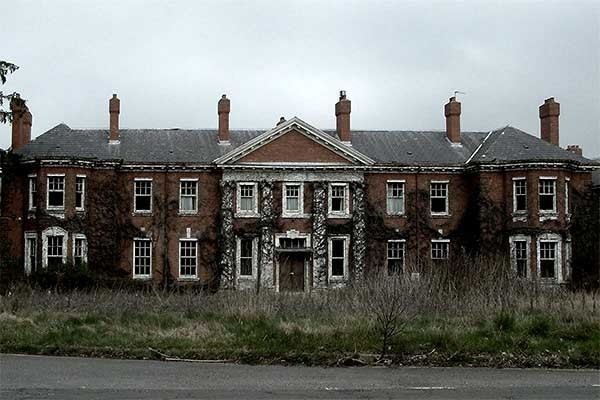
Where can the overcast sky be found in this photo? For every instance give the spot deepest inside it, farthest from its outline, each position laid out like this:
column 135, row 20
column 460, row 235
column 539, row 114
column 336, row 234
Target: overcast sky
column 169, row 62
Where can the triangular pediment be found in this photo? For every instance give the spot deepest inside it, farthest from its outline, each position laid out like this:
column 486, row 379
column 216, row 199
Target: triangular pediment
column 295, row 142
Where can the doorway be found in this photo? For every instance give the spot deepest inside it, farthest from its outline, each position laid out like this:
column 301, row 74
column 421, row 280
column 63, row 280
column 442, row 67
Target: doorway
column 291, row 271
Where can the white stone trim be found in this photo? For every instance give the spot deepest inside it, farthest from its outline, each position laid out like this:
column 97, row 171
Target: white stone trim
column 293, row 234
column 54, row 231
column 346, row 275
column 239, row 213
column 303, row 175
column 558, row 263
column 338, row 214
column 26, row 261
column 513, row 257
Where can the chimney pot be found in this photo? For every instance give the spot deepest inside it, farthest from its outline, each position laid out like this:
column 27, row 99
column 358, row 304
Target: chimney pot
column 549, row 116
column 223, row 109
column 342, row 114
column 452, row 112
column 114, row 109
column 574, row 148
column 281, row 120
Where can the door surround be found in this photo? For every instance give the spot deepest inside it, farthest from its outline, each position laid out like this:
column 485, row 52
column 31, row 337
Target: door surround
column 294, row 234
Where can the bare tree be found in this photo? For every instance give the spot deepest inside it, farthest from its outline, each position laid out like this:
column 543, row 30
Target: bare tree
column 5, row 69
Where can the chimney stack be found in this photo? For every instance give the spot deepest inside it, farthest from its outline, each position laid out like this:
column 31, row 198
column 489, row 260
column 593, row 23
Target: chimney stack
column 114, row 108
column 574, row 148
column 342, row 115
column 223, row 110
column 21, row 123
column 549, row 112
column 452, row 113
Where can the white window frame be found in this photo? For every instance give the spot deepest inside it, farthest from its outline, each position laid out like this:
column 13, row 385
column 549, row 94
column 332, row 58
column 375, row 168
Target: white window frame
column 515, row 181
column 402, row 182
column 83, row 192
column 141, row 276
column 53, row 231
column 32, row 200
column 284, row 199
column 436, row 241
column 188, row 240
column 246, row 213
column 431, row 197
column 135, row 195
column 345, row 213
column 513, row 253
column 80, row 236
column 343, row 277
column 48, row 206
column 552, row 238
column 238, row 256
column 544, row 214
column 567, row 205
column 181, row 196
column 387, row 254
column 27, row 249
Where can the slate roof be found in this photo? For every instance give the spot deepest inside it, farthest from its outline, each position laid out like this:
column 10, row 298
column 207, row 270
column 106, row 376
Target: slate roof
column 200, row 146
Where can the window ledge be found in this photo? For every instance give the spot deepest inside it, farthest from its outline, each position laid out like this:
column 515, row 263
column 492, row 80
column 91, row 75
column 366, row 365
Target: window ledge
column 520, row 217
column 548, row 216
column 403, row 215
column 187, row 213
column 188, row 279
column 440, row 215
column 142, row 213
column 142, row 277
column 299, row 215
column 246, row 215
column 246, row 278
column 340, row 216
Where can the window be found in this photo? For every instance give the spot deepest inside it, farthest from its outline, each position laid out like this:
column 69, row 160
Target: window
column 519, row 195
column 440, row 249
column 439, row 198
column 547, row 195
column 188, row 260
column 142, row 258
column 188, row 196
column 395, row 256
column 548, row 259
column 32, row 185
column 30, row 252
column 143, row 195
column 292, row 243
column 246, row 256
column 293, row 203
column 338, row 199
column 567, row 189
column 80, row 193
column 395, row 198
column 520, row 255
column 79, row 250
column 338, row 257
column 247, row 202
column 56, row 250
column 56, row 192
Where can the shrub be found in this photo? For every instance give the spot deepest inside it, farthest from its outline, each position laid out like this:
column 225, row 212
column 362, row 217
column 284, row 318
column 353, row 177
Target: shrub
column 504, row 322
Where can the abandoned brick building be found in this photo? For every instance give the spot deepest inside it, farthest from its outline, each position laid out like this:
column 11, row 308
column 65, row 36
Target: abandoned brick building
column 294, row 207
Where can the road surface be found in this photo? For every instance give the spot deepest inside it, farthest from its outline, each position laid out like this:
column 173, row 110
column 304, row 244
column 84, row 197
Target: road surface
column 66, row 378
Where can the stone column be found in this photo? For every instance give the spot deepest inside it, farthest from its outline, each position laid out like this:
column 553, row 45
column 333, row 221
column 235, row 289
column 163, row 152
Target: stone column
column 227, row 239
column 266, row 253
column 359, row 241
column 319, row 235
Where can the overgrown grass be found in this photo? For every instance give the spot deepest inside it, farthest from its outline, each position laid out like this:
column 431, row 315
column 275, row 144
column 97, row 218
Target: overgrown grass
column 559, row 329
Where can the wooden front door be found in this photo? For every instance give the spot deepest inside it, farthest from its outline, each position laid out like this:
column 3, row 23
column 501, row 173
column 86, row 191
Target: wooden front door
column 291, row 272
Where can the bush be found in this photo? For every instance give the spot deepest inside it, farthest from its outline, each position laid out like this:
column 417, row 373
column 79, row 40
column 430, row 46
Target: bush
column 504, row 322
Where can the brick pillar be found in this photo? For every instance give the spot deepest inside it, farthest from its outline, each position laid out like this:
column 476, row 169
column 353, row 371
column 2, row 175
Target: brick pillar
column 452, row 112
column 319, row 235
column 227, row 239
column 342, row 116
column 359, row 241
column 549, row 113
column 266, row 236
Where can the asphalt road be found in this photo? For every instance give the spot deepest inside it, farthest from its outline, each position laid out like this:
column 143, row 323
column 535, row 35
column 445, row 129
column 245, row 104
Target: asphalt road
column 65, row 378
